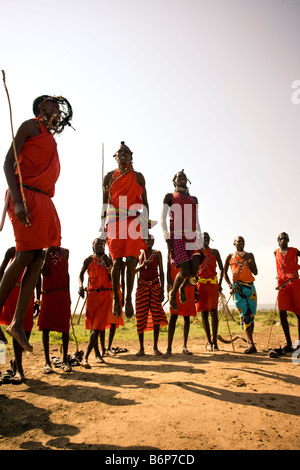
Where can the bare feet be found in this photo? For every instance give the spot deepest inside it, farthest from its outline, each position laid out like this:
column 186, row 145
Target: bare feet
column 85, row 364
column 116, row 308
column 172, row 302
column 99, row 359
column 129, row 312
column 167, row 354
column 19, row 335
column 187, row 352
column 183, row 296
column 157, row 352
column 140, row 353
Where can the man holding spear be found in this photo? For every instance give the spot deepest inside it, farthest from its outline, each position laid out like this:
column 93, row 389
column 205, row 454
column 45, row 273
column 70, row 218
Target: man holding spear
column 32, row 168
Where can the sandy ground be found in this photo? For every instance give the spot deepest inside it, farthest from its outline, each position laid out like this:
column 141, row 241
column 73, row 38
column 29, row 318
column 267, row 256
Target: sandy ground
column 221, row 400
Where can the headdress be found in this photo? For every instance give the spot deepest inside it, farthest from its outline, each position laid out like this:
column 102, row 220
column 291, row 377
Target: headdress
column 123, row 146
column 57, row 123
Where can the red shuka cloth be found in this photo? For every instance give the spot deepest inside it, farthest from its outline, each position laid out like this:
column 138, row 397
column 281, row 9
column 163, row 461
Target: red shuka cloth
column 98, row 314
column 40, row 168
column 208, row 292
column 55, row 311
column 287, row 269
column 188, row 309
column 9, row 308
column 124, row 238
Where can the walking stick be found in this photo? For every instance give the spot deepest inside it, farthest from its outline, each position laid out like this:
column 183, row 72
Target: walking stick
column 76, row 306
column 74, row 334
column 225, row 305
column 229, row 332
column 81, row 311
column 272, row 322
column 14, row 148
column 6, row 204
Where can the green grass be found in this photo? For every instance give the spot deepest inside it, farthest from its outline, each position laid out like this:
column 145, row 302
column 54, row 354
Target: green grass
column 128, row 332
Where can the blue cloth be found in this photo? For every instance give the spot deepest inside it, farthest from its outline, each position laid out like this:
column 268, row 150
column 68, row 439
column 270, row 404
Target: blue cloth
column 245, row 299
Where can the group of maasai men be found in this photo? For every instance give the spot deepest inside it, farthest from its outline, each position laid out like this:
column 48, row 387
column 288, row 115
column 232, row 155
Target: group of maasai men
column 39, row 263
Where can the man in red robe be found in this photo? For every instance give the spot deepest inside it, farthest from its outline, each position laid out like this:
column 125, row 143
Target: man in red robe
column 186, row 310
column 208, row 287
column 35, row 221
column 184, row 237
column 16, row 374
column 98, row 314
column 288, row 285
column 124, row 195
column 55, row 311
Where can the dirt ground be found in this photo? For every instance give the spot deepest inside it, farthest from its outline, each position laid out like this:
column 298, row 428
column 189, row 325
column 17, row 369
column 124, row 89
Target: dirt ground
column 207, row 401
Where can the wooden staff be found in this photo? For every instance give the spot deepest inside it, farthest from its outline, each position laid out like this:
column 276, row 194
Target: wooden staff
column 6, row 204
column 225, row 306
column 76, row 306
column 81, row 311
column 76, row 342
column 14, row 147
column 272, row 322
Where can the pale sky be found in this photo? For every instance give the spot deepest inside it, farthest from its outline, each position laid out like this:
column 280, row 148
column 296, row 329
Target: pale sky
column 199, row 85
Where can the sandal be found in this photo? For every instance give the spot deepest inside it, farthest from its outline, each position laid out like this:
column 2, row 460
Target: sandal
column 17, row 379
column 66, row 367
column 47, row 369
column 272, row 353
column 7, row 376
column 56, row 361
column 250, row 350
column 119, row 350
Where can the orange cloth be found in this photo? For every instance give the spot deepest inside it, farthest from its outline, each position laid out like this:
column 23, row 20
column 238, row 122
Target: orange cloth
column 9, row 308
column 55, row 311
column 124, row 236
column 208, row 291
column 40, row 168
column 240, row 270
column 98, row 314
column 189, row 308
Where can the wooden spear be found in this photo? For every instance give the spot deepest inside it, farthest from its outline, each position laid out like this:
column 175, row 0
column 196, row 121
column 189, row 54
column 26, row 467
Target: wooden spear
column 14, row 147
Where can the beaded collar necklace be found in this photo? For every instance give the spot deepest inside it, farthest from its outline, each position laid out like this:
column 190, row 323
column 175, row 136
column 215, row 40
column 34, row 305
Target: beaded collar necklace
column 57, row 256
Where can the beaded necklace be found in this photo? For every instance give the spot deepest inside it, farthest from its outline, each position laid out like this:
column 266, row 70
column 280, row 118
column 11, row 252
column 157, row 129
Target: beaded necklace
column 117, row 175
column 57, row 256
column 101, row 262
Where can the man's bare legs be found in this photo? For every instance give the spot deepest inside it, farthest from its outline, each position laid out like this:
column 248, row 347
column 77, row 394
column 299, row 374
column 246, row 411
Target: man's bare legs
column 29, row 281
column 115, row 277
column 156, row 351
column 186, row 330
column 131, row 263
column 212, row 342
column 130, row 273
column 286, row 330
column 188, row 269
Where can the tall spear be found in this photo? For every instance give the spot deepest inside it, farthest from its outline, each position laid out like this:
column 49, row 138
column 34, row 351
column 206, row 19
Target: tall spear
column 14, row 147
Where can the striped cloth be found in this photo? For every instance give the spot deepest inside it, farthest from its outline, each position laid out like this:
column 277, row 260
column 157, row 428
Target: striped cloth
column 180, row 253
column 149, row 311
